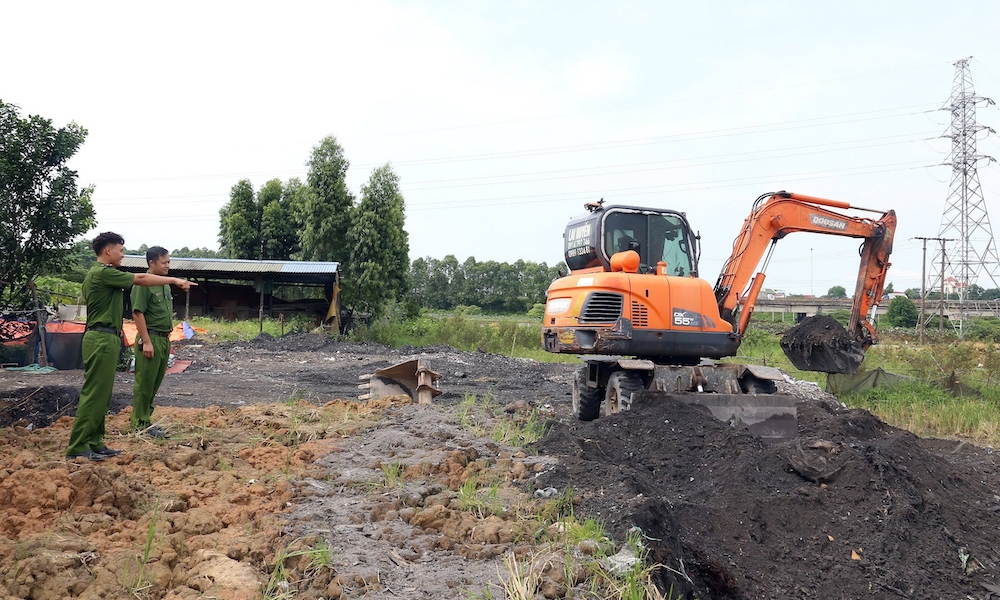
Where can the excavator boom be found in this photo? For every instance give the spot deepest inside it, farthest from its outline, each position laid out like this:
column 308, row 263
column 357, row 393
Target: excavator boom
column 773, row 217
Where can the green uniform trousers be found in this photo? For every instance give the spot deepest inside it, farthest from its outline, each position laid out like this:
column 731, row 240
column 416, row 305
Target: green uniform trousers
column 148, row 377
column 100, row 362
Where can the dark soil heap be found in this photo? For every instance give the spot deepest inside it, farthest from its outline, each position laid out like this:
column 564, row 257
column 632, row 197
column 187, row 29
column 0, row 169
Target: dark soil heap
column 853, row 508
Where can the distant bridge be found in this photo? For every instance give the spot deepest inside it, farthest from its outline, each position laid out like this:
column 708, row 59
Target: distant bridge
column 808, row 307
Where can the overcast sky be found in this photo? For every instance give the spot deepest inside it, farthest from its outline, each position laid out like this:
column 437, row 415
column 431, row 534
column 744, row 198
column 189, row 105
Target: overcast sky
column 503, row 118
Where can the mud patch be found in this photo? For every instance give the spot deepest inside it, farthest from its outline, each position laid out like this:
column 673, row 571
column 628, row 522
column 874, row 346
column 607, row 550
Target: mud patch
column 40, row 406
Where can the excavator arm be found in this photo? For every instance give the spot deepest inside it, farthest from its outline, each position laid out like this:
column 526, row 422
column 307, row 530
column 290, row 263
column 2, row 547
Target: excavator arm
column 776, row 215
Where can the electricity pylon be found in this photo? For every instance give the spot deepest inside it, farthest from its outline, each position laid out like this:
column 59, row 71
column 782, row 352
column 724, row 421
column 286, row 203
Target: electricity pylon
column 965, row 218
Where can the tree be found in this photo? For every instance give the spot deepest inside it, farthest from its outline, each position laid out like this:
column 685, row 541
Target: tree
column 326, row 209
column 376, row 270
column 902, row 312
column 77, row 262
column 837, row 291
column 41, row 209
column 239, row 223
column 279, row 236
column 912, row 293
column 262, row 227
column 888, row 288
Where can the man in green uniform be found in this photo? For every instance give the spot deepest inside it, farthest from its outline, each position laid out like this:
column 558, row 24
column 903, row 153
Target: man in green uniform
column 153, row 311
column 103, row 289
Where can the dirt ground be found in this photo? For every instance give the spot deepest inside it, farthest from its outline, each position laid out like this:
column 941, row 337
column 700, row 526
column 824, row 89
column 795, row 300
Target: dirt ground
column 276, row 482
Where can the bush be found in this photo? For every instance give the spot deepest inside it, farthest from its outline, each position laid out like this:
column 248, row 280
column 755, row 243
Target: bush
column 902, row 312
column 840, row 315
column 55, row 290
column 986, row 329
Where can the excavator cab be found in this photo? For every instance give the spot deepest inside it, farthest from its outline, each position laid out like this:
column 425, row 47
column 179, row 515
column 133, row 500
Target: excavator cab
column 656, row 235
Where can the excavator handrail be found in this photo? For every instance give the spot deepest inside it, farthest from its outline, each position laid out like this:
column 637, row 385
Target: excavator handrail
column 776, row 215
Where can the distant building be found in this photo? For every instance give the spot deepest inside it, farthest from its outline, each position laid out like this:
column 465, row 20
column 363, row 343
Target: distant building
column 953, row 286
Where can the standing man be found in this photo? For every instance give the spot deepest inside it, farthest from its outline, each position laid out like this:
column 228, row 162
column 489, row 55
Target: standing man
column 153, row 311
column 103, row 290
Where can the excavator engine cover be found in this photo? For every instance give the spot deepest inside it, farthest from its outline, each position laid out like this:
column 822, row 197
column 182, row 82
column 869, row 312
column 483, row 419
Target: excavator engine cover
column 820, row 343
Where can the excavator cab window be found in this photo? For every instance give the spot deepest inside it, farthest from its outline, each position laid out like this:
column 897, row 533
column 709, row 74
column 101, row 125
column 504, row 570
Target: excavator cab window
column 654, row 236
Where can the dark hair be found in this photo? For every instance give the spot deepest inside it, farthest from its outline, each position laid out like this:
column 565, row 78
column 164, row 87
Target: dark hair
column 106, row 239
column 155, row 253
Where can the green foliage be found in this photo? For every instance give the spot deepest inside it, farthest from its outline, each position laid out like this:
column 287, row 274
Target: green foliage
column 261, row 227
column 537, row 310
column 279, row 237
column 840, row 315
column 930, row 411
column 986, row 329
column 139, row 583
column 41, row 209
column 282, row 583
column 902, row 312
column 239, row 223
column 496, row 287
column 327, row 204
column 55, row 290
column 202, row 252
column 376, row 271
column 224, row 331
column 496, row 335
column 77, row 262
column 836, row 291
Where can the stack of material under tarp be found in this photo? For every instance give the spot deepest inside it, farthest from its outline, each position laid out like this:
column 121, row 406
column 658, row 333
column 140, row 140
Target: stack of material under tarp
column 181, row 331
column 18, row 342
column 64, row 344
column 862, row 381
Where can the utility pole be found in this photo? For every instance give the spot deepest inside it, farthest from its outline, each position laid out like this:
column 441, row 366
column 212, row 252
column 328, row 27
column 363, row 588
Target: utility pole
column 923, row 283
column 965, row 216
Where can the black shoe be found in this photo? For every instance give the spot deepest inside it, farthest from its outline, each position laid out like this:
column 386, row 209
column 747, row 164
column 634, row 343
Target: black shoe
column 89, row 454
column 108, row 451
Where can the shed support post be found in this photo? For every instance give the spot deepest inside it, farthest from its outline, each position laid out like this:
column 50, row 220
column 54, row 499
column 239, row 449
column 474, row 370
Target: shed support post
column 260, row 312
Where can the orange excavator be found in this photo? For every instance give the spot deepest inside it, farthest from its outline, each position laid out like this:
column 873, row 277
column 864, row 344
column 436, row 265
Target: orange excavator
column 634, row 305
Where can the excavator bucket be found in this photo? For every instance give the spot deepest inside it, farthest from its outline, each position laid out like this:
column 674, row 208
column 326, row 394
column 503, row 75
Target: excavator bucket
column 820, row 343
column 740, row 395
column 771, row 417
column 411, row 378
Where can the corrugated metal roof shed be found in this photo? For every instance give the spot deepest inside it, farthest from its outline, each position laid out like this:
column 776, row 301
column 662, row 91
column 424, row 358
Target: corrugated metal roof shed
column 290, row 271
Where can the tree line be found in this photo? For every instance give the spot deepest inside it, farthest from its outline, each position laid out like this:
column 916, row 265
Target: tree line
column 496, row 287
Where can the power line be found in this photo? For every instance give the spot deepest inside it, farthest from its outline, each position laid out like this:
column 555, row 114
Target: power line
column 589, row 146
column 580, row 196
column 686, row 100
column 577, row 173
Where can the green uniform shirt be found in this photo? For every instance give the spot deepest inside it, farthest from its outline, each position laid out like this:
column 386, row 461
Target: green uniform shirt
column 102, row 293
column 156, row 305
